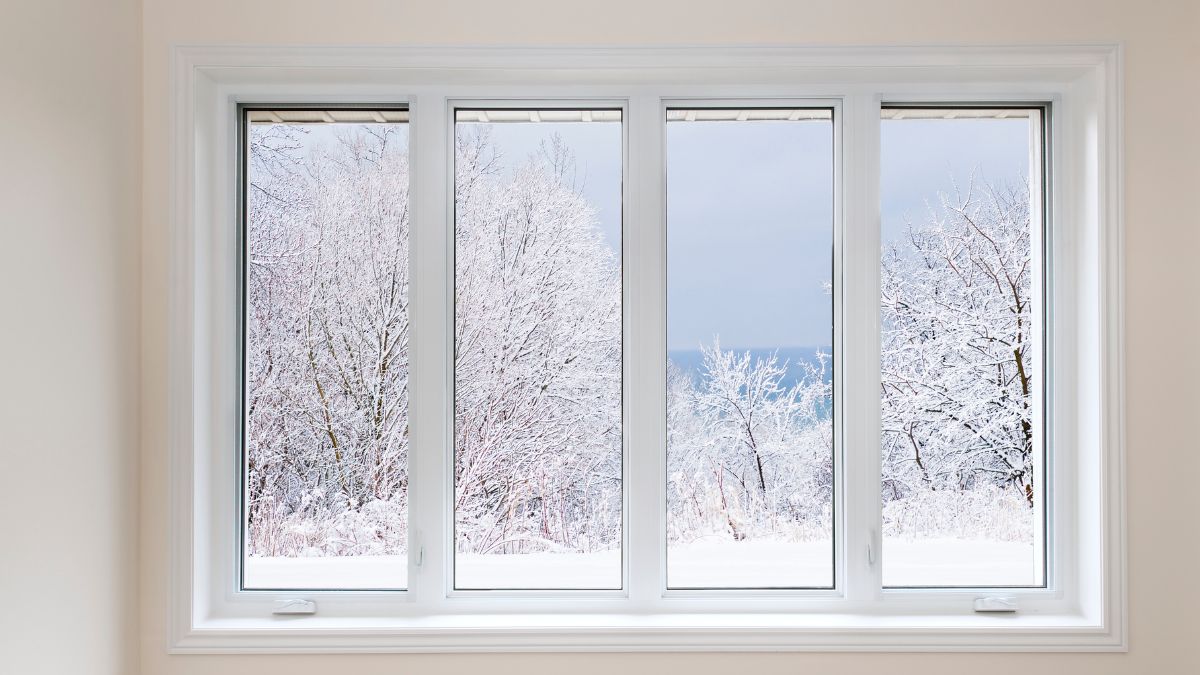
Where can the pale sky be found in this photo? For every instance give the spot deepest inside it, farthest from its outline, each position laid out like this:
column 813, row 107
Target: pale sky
column 749, row 234
column 750, row 210
column 921, row 158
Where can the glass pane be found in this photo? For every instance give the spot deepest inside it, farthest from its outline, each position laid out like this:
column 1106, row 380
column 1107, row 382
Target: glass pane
column 537, row 369
column 750, row 355
column 961, row 316
column 326, row 326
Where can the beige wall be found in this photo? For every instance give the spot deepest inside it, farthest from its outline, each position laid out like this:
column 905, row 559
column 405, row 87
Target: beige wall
column 70, row 125
column 1162, row 178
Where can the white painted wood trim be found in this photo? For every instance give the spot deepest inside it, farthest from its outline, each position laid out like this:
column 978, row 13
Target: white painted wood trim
column 1083, row 613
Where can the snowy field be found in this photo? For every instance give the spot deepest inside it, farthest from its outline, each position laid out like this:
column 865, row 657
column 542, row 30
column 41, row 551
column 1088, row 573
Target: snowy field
column 959, row 562
column 751, row 564
column 367, row 571
column 539, row 570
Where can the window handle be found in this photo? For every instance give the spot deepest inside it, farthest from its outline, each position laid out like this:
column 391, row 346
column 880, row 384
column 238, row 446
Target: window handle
column 295, row 606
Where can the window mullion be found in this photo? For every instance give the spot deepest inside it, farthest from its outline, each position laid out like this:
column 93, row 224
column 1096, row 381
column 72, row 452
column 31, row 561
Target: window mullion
column 859, row 395
column 645, row 352
column 432, row 300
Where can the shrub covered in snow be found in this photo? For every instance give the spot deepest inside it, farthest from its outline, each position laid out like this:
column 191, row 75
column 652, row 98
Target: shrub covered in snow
column 538, row 370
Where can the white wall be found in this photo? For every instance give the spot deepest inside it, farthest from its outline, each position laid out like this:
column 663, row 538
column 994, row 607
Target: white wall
column 68, row 333
column 70, row 138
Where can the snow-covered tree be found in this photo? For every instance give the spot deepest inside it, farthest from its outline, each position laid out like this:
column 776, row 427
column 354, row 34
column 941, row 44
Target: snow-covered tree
column 958, row 347
column 327, row 324
column 748, row 456
column 538, row 359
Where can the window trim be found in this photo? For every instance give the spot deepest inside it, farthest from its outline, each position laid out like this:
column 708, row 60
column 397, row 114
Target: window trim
column 242, row 178
column 1042, row 225
column 838, row 501
column 1083, row 610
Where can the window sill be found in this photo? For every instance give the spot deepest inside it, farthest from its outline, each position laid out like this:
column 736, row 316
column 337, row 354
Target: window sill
column 658, row 632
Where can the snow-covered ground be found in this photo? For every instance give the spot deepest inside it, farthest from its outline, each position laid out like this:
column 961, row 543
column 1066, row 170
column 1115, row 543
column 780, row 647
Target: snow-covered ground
column 347, row 572
column 747, row 564
column 539, row 570
column 724, row 563
column 959, row 562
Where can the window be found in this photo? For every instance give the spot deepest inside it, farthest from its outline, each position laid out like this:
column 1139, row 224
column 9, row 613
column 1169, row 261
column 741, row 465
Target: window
column 750, row 451
column 962, row 336
column 326, row 343
column 617, row 349
column 537, row 349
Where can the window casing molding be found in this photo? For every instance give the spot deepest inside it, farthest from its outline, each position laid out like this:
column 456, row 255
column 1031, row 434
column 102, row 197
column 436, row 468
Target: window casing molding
column 1082, row 607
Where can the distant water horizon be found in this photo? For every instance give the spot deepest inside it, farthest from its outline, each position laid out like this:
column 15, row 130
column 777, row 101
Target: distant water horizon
column 691, row 361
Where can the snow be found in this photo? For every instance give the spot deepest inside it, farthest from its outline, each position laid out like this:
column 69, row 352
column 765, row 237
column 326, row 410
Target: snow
column 923, row 562
column 959, row 562
column 701, row 564
column 724, row 563
column 601, row 569
column 538, row 339
column 336, row 573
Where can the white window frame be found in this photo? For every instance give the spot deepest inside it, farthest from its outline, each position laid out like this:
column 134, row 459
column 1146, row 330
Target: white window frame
column 1081, row 609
